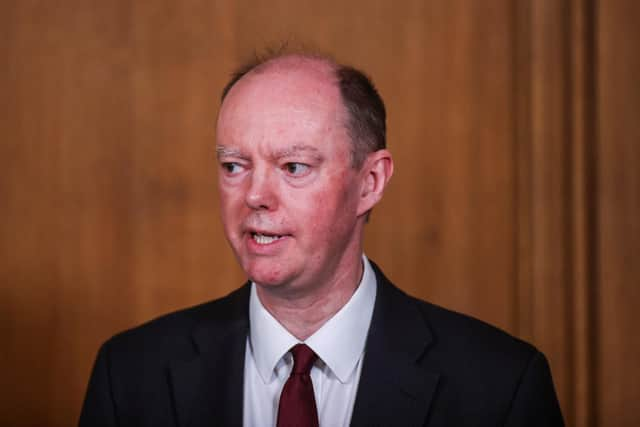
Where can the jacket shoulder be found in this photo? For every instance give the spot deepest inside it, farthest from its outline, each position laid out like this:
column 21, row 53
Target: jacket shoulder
column 456, row 336
column 497, row 375
column 460, row 331
column 170, row 335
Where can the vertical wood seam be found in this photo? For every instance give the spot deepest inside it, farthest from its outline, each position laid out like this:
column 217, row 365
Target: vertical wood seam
column 522, row 165
column 591, row 129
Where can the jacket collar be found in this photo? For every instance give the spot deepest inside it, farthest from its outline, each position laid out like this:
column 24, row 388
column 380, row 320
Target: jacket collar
column 395, row 387
column 208, row 389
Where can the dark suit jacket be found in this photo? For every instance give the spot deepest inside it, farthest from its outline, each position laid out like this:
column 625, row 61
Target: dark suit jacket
column 423, row 365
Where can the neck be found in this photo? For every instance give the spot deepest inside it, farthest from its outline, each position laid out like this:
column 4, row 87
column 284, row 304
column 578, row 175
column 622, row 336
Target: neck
column 302, row 314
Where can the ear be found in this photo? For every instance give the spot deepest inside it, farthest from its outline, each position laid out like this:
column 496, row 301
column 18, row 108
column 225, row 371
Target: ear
column 375, row 173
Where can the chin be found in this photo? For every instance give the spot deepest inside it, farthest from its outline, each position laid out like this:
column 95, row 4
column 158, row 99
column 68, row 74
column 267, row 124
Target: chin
column 265, row 273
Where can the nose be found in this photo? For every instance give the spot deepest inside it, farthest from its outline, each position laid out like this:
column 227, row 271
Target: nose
column 261, row 193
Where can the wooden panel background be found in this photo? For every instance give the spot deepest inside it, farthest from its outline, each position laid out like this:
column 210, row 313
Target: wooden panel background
column 513, row 126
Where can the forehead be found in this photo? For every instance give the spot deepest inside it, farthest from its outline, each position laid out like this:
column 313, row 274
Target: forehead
column 292, row 95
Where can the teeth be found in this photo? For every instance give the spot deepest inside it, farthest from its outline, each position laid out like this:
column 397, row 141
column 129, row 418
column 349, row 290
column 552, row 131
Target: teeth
column 261, row 239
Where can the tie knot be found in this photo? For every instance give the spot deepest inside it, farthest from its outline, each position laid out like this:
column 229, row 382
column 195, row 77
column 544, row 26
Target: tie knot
column 303, row 359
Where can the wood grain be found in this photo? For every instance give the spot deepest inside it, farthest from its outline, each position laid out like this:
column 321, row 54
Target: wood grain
column 618, row 206
column 512, row 125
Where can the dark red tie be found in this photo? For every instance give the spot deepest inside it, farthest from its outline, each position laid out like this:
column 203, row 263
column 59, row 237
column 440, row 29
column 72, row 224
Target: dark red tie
column 297, row 405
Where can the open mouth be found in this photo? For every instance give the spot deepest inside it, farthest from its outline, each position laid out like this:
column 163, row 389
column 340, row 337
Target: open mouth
column 265, row 239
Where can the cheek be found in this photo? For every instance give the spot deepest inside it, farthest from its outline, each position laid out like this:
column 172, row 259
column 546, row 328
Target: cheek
column 329, row 208
column 230, row 205
column 225, row 207
column 231, row 196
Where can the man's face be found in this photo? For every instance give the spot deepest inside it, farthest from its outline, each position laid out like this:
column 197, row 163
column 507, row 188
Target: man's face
column 289, row 195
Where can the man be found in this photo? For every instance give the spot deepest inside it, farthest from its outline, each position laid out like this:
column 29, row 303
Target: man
column 318, row 336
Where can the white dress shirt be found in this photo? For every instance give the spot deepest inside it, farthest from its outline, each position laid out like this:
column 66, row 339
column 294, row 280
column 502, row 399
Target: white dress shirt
column 339, row 344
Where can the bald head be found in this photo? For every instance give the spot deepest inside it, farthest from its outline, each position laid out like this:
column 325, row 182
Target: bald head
column 362, row 110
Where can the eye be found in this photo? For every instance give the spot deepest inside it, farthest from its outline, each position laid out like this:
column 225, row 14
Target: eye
column 296, row 169
column 232, row 168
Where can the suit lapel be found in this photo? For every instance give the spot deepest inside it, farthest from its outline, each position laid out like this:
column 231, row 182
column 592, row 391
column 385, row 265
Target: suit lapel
column 395, row 388
column 208, row 389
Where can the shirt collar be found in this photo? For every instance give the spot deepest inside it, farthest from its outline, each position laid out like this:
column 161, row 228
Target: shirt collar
column 339, row 342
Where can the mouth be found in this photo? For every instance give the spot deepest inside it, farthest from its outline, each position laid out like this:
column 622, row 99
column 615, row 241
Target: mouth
column 265, row 238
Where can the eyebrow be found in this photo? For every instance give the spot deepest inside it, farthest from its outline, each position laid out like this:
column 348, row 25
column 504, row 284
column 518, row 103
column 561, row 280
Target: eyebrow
column 297, row 149
column 222, row 151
